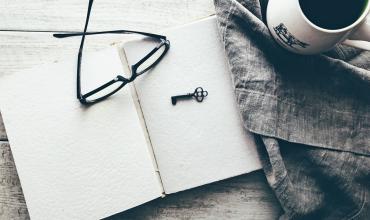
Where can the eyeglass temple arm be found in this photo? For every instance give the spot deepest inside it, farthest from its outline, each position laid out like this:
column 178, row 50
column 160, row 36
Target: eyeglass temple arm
column 109, row 32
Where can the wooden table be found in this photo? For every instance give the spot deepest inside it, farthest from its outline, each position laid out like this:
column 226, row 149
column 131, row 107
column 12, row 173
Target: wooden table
column 26, row 41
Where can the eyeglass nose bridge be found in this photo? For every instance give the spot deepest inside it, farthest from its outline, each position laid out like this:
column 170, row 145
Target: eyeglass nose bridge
column 133, row 76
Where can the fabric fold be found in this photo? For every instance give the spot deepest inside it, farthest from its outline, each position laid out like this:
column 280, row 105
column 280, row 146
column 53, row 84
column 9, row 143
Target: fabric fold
column 310, row 115
column 321, row 100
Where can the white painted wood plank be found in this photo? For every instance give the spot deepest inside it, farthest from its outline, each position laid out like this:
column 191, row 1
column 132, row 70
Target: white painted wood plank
column 69, row 15
column 21, row 50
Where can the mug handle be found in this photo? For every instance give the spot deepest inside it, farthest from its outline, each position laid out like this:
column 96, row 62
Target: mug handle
column 361, row 37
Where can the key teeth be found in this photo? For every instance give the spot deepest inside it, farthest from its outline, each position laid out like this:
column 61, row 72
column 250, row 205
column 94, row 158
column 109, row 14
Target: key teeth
column 173, row 100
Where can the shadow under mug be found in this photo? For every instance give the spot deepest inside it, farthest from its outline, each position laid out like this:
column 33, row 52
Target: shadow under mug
column 295, row 32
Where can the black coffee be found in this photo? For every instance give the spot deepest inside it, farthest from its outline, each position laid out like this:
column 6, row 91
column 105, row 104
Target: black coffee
column 333, row 14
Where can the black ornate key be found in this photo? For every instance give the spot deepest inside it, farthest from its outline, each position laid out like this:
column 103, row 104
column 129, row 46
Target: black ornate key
column 199, row 94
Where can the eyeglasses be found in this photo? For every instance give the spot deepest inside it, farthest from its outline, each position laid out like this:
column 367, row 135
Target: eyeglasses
column 113, row 86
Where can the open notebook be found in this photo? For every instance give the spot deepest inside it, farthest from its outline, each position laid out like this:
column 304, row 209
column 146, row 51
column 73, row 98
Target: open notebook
column 87, row 163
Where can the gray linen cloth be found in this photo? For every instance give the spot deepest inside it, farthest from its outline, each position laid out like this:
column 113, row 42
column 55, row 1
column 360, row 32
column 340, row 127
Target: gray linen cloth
column 310, row 114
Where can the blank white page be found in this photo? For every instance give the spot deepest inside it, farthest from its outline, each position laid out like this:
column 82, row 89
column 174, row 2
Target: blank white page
column 75, row 162
column 194, row 143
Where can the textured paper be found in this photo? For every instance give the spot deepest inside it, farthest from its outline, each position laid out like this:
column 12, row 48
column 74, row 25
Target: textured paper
column 194, row 143
column 76, row 162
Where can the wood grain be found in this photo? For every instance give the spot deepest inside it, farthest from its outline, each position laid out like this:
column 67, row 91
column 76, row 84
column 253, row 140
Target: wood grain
column 3, row 136
column 23, row 46
column 22, row 50
column 69, row 15
column 243, row 197
column 12, row 204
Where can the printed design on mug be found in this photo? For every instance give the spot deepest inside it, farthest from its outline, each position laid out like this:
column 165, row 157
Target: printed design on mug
column 282, row 31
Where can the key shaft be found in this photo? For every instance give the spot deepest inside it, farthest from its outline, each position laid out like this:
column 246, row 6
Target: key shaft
column 175, row 98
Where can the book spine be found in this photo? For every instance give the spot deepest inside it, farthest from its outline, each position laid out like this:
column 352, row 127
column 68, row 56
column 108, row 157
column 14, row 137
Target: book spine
column 140, row 113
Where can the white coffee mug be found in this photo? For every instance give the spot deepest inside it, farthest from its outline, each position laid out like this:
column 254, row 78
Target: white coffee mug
column 296, row 33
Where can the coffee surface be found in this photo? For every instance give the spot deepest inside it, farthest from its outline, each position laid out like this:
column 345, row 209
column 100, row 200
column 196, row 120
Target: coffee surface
column 333, row 14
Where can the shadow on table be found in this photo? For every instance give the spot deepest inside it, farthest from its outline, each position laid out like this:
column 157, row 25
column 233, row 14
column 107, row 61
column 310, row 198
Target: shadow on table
column 243, row 197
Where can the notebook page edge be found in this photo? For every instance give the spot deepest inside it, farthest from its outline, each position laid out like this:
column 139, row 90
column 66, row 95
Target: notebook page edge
column 139, row 111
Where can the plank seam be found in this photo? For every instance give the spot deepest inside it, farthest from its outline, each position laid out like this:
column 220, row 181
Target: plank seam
column 36, row 31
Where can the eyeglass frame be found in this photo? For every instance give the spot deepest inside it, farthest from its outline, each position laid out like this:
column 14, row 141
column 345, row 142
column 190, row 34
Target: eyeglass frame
column 119, row 78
